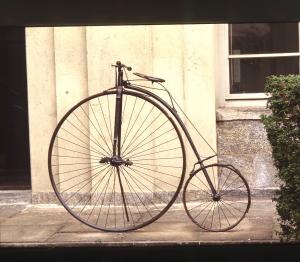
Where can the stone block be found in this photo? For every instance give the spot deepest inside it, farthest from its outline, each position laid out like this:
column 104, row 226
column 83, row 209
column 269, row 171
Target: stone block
column 264, row 171
column 243, row 162
column 242, row 137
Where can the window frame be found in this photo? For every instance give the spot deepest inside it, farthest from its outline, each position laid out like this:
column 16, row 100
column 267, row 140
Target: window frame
column 228, row 57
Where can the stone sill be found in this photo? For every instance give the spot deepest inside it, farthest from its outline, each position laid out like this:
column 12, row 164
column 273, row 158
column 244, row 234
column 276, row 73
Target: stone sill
column 240, row 113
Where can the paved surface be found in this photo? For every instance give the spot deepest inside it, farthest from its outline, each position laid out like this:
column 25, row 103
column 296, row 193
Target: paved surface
column 52, row 225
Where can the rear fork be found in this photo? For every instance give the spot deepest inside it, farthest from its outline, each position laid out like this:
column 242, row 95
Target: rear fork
column 215, row 194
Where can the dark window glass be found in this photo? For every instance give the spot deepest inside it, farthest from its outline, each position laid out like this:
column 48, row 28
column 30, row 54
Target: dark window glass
column 258, row 38
column 248, row 75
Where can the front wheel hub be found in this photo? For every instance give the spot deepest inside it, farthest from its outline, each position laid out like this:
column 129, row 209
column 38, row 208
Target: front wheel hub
column 115, row 161
column 216, row 197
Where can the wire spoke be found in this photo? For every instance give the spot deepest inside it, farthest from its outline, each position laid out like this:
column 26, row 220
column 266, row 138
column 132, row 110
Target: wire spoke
column 100, row 129
column 83, row 181
column 224, row 213
column 137, row 147
column 152, row 147
column 212, row 216
column 98, row 197
column 74, row 193
column 203, row 209
column 108, row 130
column 226, row 202
column 152, row 159
column 232, row 190
column 77, row 128
column 134, row 200
column 160, row 165
column 139, row 130
column 202, row 190
column 222, row 203
column 142, row 202
column 140, row 172
column 155, row 171
column 84, row 142
column 208, row 213
column 77, row 152
column 135, row 120
column 90, row 121
column 156, row 152
column 198, row 205
column 125, row 136
column 67, row 156
column 89, row 170
column 135, row 179
column 110, row 119
column 106, row 186
column 225, row 180
column 97, row 152
column 71, row 164
column 204, row 185
column 96, row 187
column 129, row 144
column 231, row 183
column 70, row 171
column 137, row 133
column 219, row 216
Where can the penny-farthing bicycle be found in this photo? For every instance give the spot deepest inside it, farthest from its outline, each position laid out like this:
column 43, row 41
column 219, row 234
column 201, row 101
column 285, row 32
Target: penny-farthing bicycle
column 117, row 163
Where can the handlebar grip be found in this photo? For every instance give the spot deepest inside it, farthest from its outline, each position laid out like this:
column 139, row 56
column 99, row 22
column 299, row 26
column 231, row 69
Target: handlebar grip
column 119, row 64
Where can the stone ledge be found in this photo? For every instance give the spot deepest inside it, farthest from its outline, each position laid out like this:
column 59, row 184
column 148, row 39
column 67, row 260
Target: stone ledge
column 26, row 197
column 15, row 196
column 240, row 113
column 50, row 197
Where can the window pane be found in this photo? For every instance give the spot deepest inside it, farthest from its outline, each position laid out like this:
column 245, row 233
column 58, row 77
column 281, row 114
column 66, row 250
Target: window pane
column 248, row 75
column 258, row 38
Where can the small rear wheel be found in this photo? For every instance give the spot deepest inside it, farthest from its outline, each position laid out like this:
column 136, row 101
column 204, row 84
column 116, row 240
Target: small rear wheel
column 227, row 208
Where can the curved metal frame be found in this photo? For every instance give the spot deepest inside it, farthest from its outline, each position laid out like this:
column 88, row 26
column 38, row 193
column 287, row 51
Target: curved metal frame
column 128, row 85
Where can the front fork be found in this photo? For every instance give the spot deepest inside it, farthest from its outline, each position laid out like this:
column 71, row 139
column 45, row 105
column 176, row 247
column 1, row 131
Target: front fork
column 117, row 142
column 118, row 122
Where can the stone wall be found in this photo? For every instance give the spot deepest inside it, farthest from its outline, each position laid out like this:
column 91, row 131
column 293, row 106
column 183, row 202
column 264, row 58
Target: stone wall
column 242, row 141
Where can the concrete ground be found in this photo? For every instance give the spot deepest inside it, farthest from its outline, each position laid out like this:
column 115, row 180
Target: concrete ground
column 51, row 225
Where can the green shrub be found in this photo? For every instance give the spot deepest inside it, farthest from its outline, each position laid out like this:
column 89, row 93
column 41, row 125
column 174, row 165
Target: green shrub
column 283, row 131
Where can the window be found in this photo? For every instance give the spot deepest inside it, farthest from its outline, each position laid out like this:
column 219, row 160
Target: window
column 257, row 50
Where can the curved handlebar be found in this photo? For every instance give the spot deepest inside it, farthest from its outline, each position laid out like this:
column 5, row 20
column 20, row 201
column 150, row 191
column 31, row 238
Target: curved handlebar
column 120, row 65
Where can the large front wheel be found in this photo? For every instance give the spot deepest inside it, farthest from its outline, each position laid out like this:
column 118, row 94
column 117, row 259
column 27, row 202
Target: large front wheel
column 124, row 192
